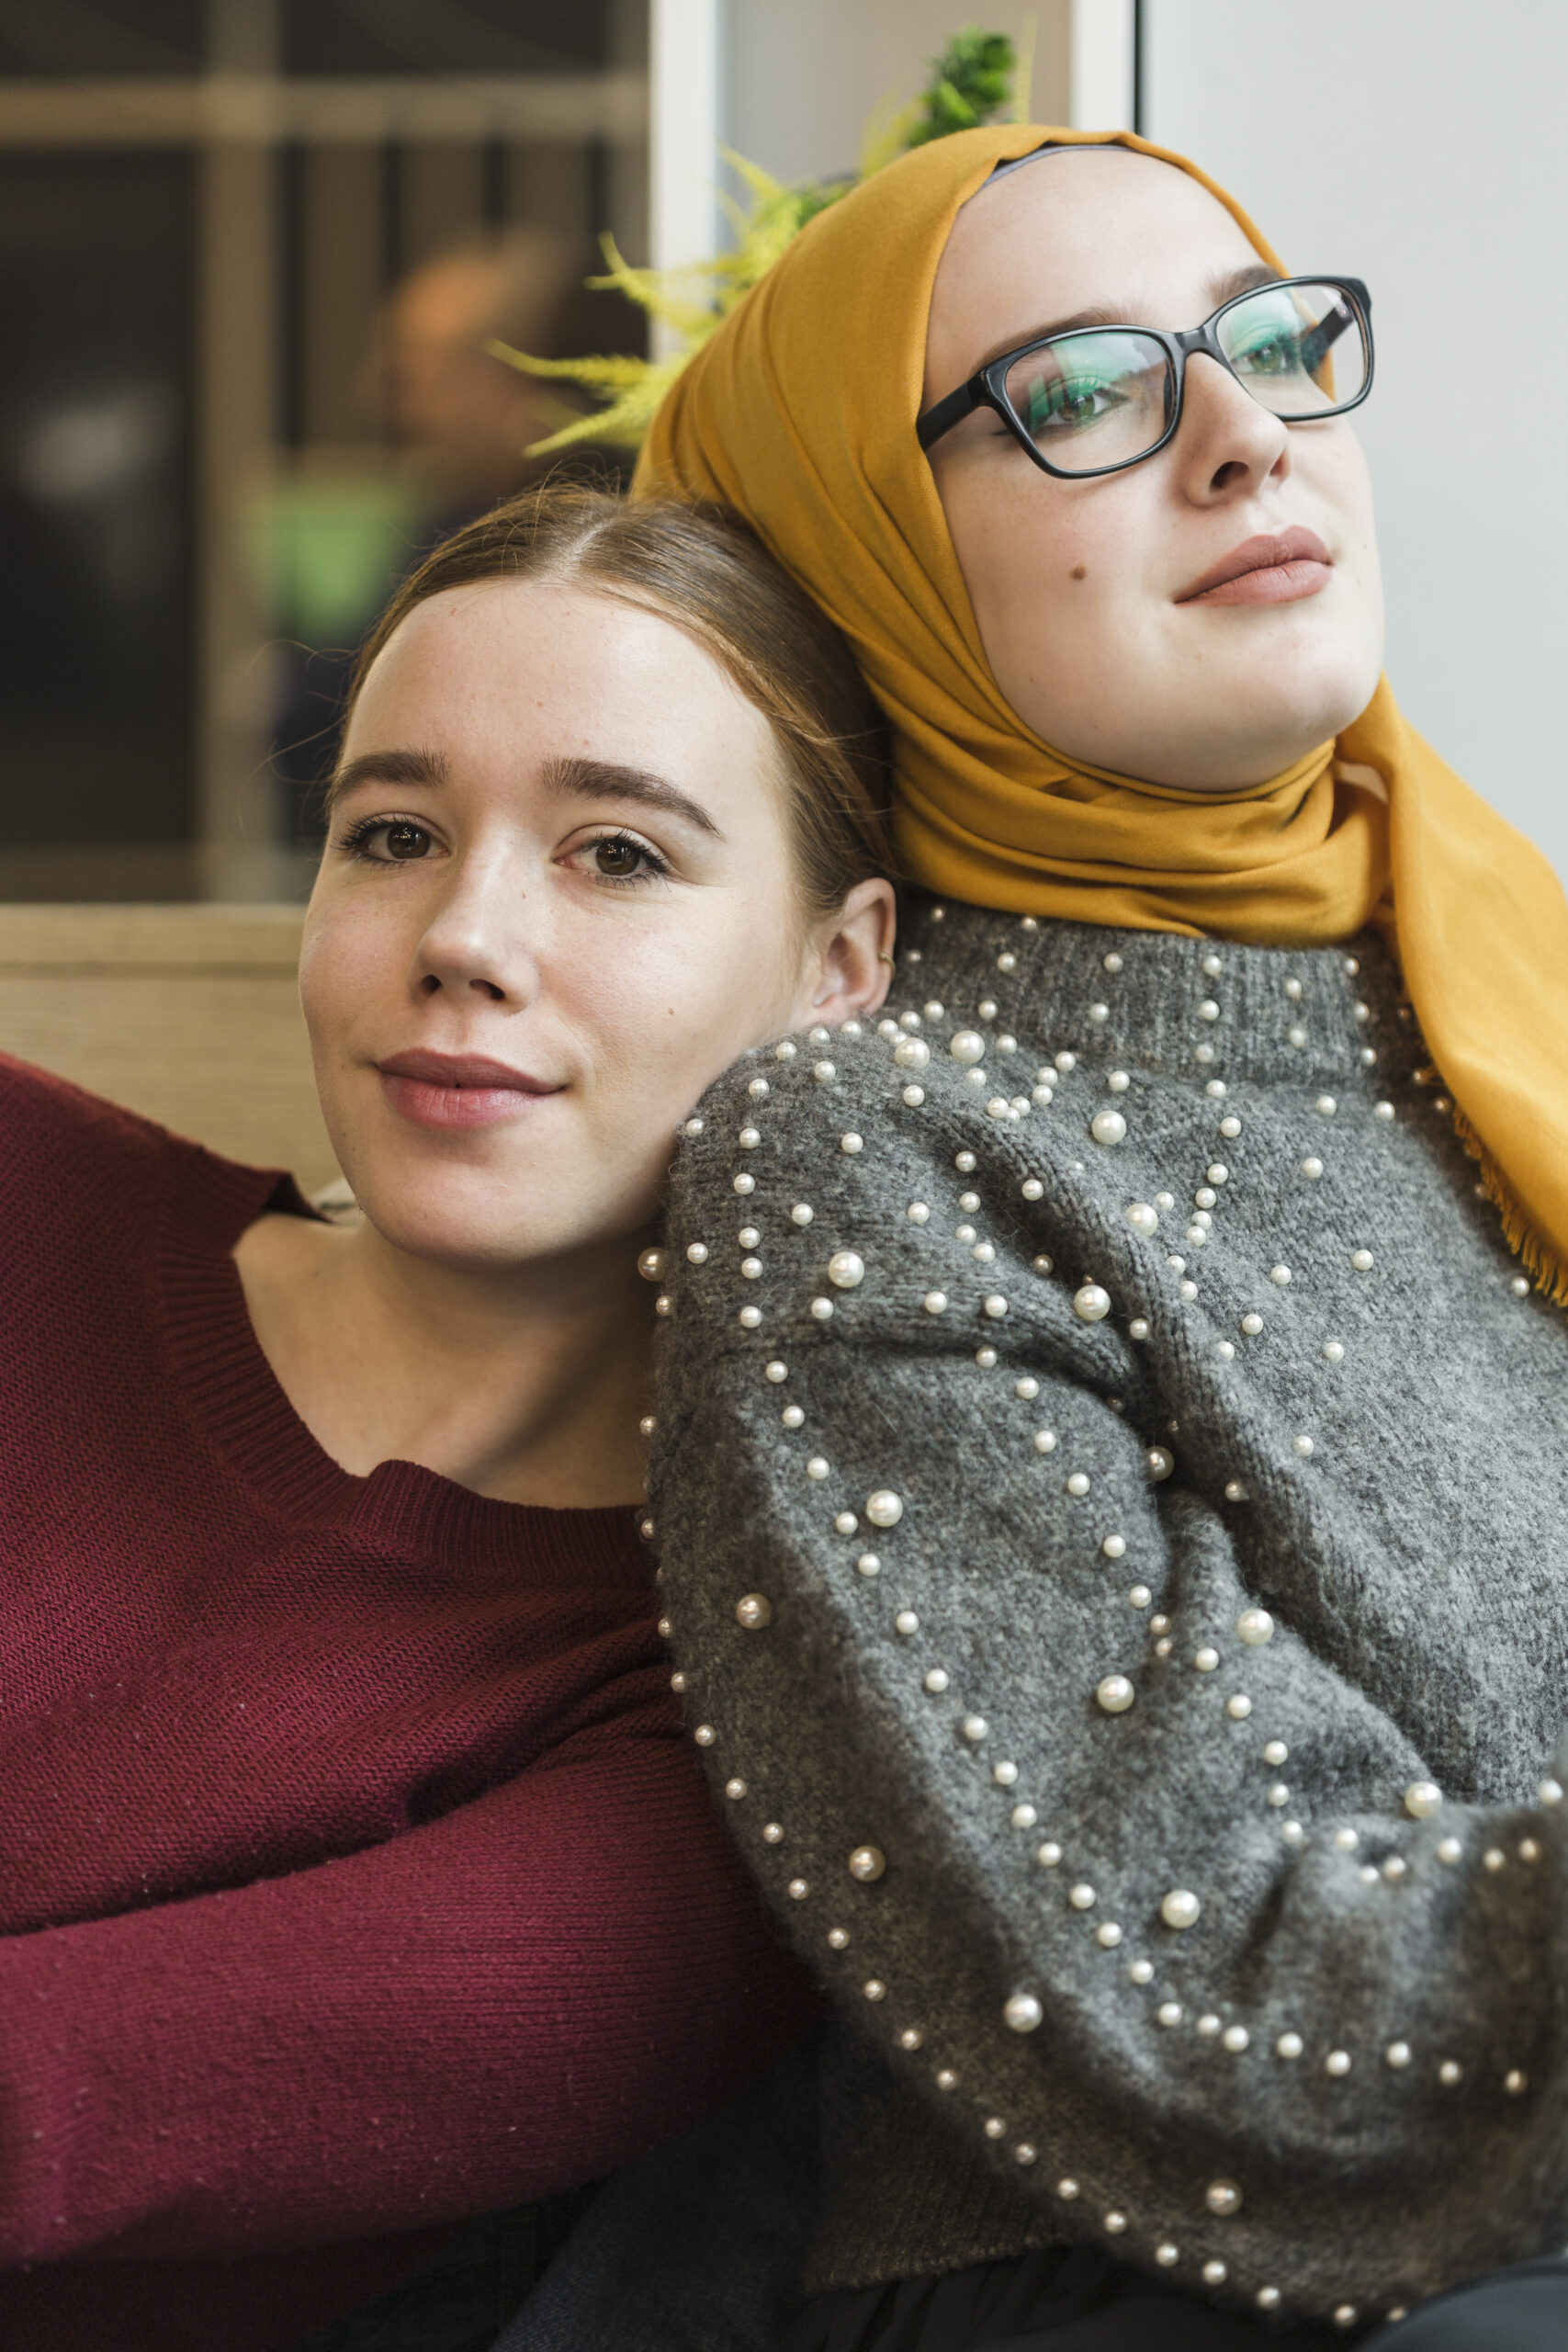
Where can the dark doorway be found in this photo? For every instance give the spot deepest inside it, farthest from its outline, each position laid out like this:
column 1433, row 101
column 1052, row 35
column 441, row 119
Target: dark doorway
column 97, row 602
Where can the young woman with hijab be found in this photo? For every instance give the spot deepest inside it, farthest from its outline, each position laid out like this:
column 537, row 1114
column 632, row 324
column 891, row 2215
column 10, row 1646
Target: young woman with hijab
column 1114, row 1545
column 357, row 1879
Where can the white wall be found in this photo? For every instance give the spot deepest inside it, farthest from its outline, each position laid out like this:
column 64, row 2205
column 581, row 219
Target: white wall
column 801, row 75
column 683, row 105
column 1419, row 145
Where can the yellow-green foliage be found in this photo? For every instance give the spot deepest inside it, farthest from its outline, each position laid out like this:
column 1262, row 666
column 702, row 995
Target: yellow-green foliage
column 970, row 83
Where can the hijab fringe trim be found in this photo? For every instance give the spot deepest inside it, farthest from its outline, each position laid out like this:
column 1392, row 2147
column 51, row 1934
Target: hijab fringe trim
column 1538, row 1258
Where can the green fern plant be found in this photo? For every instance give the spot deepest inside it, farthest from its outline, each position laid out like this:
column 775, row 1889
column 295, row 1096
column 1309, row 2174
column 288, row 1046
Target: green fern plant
column 971, row 82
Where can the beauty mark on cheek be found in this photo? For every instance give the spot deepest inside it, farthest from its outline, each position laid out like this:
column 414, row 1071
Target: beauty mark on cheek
column 1078, row 571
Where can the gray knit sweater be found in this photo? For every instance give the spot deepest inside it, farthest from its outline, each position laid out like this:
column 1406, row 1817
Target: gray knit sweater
column 1112, row 1492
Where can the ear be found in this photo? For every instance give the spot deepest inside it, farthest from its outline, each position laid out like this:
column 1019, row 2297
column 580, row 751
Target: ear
column 849, row 959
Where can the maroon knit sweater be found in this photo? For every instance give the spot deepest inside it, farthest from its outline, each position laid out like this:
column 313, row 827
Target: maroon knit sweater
column 354, row 1876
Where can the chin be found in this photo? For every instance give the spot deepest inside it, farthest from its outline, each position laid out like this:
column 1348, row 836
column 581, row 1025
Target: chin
column 496, row 1220
column 437, row 1202
column 1278, row 708
column 1313, row 711
column 447, row 1223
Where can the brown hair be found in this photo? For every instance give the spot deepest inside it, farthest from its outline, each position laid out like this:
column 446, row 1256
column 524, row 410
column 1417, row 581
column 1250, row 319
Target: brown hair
column 703, row 571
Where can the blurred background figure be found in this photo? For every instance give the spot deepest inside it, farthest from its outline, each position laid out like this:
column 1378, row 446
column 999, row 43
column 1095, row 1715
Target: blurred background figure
column 448, row 431
column 454, row 408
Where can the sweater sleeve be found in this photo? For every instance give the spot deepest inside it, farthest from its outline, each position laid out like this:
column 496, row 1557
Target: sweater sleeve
column 508, row 2001
column 1130, row 1877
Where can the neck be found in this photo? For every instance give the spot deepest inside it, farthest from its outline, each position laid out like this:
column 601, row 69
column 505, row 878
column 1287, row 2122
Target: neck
column 522, row 1383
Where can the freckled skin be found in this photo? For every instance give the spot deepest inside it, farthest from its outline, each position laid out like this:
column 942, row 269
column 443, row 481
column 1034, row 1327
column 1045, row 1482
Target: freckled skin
column 1119, row 673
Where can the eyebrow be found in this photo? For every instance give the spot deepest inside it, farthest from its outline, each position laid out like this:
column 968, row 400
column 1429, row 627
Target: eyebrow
column 1219, row 290
column 388, row 767
column 587, row 779
column 564, row 779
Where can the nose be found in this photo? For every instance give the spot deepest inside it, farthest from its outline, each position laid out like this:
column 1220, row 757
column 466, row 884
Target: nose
column 479, row 943
column 1227, row 444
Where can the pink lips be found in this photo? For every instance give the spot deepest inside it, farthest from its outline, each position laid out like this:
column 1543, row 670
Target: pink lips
column 1272, row 569
column 457, row 1090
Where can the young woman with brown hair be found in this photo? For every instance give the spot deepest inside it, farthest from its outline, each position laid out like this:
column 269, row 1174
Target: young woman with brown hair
column 357, row 1882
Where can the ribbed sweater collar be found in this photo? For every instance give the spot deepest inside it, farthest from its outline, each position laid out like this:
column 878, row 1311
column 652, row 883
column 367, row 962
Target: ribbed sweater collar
column 402, row 1510
column 1149, row 999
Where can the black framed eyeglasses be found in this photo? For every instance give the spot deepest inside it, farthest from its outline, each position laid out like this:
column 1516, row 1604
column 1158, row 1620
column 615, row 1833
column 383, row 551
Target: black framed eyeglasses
column 1096, row 399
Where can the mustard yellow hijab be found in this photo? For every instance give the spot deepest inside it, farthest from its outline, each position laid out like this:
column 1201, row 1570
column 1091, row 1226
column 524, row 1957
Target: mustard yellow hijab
column 800, row 415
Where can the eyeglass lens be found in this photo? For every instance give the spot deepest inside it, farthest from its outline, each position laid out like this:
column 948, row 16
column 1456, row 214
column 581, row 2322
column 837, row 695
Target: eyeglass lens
column 1098, row 397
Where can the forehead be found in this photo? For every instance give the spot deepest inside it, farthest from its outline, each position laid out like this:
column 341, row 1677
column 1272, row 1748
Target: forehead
column 501, row 675
column 1086, row 230
column 523, row 650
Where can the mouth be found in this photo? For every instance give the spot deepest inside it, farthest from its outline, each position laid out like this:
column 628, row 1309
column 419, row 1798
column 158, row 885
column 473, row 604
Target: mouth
column 1275, row 568
column 457, row 1092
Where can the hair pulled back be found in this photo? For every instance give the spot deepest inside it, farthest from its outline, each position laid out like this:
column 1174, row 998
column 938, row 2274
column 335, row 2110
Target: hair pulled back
column 704, row 572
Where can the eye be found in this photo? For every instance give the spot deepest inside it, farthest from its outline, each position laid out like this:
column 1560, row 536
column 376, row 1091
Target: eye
column 382, row 841
column 1272, row 355
column 404, row 841
column 620, row 858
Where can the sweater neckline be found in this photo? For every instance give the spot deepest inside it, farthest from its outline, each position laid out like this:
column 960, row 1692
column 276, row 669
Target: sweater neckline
column 1164, row 1001
column 240, row 1410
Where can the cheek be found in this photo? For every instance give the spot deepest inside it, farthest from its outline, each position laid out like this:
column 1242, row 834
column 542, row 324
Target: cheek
column 1046, row 566
column 1332, row 467
column 346, row 969
column 668, row 1010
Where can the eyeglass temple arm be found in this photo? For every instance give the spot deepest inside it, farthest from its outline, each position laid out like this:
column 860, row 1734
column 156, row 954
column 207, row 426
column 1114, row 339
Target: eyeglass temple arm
column 1327, row 332
column 949, row 412
column 1316, row 346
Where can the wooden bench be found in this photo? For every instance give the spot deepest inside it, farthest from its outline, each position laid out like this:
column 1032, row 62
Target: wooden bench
column 188, row 1014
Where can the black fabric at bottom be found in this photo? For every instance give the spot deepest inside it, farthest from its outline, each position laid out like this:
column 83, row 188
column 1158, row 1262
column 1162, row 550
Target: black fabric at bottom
column 460, row 2301
column 1061, row 2299
column 1075, row 2299
column 1521, row 2310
